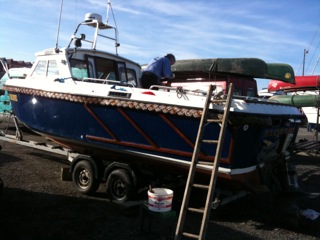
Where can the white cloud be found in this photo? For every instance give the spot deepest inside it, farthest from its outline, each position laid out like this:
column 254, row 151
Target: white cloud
column 276, row 31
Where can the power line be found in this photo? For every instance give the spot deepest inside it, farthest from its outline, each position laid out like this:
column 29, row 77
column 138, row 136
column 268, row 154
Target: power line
column 307, row 51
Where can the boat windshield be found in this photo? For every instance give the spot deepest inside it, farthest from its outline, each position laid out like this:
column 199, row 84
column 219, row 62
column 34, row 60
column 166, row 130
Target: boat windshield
column 102, row 70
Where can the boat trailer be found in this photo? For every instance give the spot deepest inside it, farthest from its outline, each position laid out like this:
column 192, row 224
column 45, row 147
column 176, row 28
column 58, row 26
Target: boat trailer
column 12, row 132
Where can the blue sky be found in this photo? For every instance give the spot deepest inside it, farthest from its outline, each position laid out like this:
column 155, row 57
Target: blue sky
column 275, row 31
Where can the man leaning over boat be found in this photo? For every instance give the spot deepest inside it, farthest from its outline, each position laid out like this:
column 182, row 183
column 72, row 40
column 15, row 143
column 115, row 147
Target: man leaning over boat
column 158, row 69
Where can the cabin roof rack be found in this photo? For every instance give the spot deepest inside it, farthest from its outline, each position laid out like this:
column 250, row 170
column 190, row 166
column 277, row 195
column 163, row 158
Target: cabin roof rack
column 94, row 20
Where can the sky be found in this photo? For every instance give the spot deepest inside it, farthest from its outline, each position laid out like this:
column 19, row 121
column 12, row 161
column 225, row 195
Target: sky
column 276, row 31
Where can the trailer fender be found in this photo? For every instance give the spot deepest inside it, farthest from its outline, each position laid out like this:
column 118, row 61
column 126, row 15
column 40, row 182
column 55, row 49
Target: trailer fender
column 81, row 157
column 117, row 165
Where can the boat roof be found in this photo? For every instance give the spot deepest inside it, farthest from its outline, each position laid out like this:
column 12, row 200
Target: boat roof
column 249, row 67
column 52, row 51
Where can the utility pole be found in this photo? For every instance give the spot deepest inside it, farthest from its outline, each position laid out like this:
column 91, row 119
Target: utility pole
column 304, row 60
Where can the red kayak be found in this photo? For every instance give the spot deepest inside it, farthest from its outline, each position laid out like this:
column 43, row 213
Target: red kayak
column 302, row 83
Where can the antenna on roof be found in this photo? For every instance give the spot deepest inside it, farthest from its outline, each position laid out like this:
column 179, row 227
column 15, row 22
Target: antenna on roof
column 109, row 7
column 57, row 40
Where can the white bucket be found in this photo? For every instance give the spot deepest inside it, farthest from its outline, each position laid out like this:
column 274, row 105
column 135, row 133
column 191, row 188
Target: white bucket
column 160, row 200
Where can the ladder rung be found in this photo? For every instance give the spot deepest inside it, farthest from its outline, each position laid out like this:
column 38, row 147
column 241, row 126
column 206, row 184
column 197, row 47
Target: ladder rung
column 190, row 235
column 206, row 163
column 214, row 120
column 196, row 185
column 210, row 141
column 218, row 101
column 196, row 210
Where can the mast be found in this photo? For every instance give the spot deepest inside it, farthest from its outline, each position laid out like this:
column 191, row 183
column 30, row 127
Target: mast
column 57, row 40
column 108, row 9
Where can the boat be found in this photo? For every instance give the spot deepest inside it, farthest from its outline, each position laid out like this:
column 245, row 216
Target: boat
column 302, row 83
column 304, row 99
column 20, row 73
column 91, row 102
column 304, row 93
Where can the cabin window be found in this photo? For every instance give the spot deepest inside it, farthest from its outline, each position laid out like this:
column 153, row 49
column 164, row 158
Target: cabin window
column 40, row 69
column 105, row 69
column 52, row 68
column 131, row 74
column 46, row 68
column 79, row 69
column 101, row 68
column 127, row 74
column 122, row 72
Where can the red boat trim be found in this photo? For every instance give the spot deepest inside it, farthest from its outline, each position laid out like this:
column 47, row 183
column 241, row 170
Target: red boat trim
column 183, row 136
column 228, row 160
column 138, row 128
column 153, row 146
column 142, row 146
column 101, row 123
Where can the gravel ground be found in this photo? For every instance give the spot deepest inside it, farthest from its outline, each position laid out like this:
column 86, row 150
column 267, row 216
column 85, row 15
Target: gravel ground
column 36, row 204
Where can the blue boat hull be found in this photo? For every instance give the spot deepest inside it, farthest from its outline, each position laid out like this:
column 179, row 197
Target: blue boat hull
column 91, row 127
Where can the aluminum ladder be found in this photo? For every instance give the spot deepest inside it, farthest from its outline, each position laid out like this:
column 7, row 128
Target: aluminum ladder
column 210, row 189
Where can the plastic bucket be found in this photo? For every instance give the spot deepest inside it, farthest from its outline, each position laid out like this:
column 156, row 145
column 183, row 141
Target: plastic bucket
column 160, row 199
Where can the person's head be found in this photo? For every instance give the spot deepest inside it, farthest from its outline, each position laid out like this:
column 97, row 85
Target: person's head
column 171, row 57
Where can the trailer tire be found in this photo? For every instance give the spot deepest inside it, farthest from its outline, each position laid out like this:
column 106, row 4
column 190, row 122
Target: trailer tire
column 120, row 187
column 83, row 177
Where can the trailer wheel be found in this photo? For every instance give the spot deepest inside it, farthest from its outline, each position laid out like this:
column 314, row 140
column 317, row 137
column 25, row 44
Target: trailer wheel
column 84, row 179
column 120, row 187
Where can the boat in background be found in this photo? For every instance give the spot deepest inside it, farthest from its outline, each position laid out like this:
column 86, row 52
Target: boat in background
column 304, row 93
column 14, row 73
column 90, row 101
column 302, row 83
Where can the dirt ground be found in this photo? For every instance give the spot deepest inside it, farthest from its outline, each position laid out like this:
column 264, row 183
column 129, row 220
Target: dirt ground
column 36, row 204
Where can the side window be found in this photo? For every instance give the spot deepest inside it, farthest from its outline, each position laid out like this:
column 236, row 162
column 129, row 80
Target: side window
column 127, row 74
column 40, row 69
column 52, row 68
column 132, row 79
column 79, row 69
column 122, row 72
column 105, row 69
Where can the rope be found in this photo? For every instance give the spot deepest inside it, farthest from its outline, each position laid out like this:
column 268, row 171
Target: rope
column 181, row 93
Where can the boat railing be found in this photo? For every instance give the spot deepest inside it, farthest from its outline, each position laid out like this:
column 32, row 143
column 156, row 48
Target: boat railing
column 249, row 98
column 161, row 87
column 178, row 89
column 95, row 22
column 107, row 81
column 184, row 91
